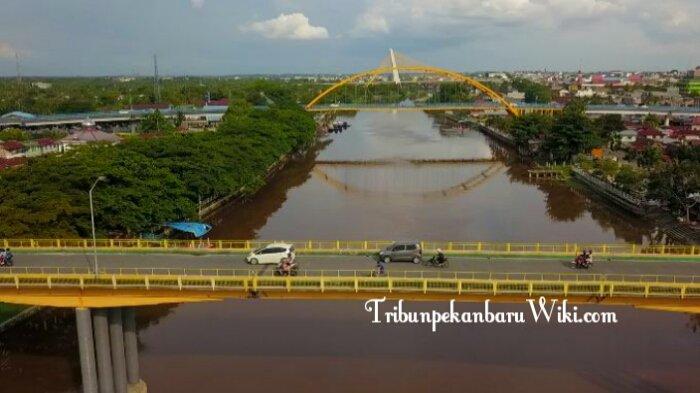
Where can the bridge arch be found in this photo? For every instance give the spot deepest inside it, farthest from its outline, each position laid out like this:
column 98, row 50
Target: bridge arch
column 498, row 98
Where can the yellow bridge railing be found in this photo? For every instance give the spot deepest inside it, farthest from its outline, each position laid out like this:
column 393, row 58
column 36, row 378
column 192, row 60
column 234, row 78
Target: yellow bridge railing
column 351, row 246
column 15, row 283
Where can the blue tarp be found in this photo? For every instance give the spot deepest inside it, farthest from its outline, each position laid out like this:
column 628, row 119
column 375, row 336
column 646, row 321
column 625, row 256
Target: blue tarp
column 198, row 229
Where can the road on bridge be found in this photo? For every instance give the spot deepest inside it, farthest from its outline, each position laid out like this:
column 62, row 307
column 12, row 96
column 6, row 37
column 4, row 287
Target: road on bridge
column 358, row 262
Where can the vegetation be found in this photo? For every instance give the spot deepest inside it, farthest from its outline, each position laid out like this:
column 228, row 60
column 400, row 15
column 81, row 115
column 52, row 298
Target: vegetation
column 72, row 95
column 535, row 93
column 151, row 180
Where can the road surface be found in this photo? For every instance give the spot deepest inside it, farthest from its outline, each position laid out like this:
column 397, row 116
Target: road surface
column 354, row 262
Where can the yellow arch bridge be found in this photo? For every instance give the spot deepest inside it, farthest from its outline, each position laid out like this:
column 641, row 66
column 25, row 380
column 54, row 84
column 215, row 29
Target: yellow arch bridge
column 395, row 65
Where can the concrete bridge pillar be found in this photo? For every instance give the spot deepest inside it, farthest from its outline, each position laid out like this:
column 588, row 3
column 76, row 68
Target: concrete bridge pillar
column 86, row 346
column 109, row 358
column 131, row 346
column 116, row 339
column 104, row 358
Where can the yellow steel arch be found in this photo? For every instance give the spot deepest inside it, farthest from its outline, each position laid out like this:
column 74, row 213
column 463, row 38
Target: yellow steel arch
column 509, row 107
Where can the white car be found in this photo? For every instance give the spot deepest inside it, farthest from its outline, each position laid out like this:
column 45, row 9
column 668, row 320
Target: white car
column 270, row 254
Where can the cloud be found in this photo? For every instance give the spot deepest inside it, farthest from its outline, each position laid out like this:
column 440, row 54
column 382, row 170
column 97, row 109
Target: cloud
column 437, row 16
column 294, row 26
column 197, row 3
column 372, row 21
column 6, row 50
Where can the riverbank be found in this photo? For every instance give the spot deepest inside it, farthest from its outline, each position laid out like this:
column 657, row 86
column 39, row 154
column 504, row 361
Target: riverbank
column 150, row 181
column 13, row 314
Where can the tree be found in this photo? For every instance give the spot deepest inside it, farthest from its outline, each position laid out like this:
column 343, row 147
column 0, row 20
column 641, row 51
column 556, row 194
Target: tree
column 629, row 179
column 572, row 133
column 678, row 183
column 608, row 125
column 651, row 120
column 13, row 134
column 179, row 119
column 529, row 127
column 650, row 157
column 156, row 122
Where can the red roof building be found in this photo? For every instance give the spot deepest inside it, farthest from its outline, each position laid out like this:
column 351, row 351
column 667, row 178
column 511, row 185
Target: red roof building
column 649, row 133
column 13, row 146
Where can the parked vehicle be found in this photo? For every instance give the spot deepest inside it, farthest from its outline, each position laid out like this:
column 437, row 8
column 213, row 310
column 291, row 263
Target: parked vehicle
column 272, row 254
column 402, row 251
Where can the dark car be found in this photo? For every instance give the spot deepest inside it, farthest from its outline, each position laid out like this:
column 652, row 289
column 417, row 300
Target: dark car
column 402, row 251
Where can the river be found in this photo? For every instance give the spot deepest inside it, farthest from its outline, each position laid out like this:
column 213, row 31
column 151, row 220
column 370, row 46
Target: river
column 484, row 201
column 331, row 346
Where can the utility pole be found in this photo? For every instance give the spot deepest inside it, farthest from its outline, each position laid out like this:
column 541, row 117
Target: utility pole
column 19, row 70
column 156, row 84
column 19, row 82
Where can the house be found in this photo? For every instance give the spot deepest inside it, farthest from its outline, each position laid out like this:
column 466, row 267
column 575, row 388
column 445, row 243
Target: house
column 516, row 95
column 696, row 124
column 89, row 135
column 650, row 133
column 12, row 149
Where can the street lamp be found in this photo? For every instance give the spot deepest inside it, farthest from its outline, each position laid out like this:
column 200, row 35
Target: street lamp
column 92, row 219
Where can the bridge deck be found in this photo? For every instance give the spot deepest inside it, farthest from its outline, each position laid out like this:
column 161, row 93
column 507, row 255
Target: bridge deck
column 64, row 280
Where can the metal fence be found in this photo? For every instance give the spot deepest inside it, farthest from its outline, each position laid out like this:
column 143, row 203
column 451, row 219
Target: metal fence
column 477, row 283
column 349, row 246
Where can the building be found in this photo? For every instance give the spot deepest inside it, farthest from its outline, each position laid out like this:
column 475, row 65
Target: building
column 516, row 95
column 89, row 135
column 696, row 124
column 696, row 74
column 628, row 137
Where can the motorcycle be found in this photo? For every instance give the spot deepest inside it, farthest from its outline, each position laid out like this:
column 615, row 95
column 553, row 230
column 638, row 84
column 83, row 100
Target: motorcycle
column 582, row 262
column 291, row 269
column 435, row 262
column 6, row 259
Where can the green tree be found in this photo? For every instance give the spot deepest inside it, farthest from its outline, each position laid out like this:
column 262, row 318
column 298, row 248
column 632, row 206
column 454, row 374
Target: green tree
column 13, row 134
column 629, row 179
column 650, row 157
column 572, row 133
column 677, row 183
column 651, row 120
column 608, row 125
column 156, row 122
column 530, row 127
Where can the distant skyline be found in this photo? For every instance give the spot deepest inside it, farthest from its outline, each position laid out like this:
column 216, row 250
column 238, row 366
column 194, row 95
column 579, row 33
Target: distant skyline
column 223, row 37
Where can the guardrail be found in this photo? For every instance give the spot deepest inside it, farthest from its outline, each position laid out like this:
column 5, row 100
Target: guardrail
column 358, row 281
column 420, row 274
column 350, row 246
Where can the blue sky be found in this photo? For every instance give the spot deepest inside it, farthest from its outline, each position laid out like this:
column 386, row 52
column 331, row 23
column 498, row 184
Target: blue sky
column 214, row 37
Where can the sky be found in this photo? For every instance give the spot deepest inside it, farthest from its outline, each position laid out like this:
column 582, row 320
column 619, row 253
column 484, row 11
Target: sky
column 225, row 37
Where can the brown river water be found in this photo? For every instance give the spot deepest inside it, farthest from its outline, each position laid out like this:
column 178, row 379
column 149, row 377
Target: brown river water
column 484, row 201
column 331, row 346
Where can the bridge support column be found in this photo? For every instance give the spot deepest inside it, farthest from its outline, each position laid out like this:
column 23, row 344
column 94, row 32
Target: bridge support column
column 131, row 346
column 104, row 361
column 86, row 346
column 116, row 338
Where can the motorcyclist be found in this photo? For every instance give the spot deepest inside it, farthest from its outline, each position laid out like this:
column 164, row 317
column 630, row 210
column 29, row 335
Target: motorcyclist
column 440, row 257
column 3, row 256
column 589, row 258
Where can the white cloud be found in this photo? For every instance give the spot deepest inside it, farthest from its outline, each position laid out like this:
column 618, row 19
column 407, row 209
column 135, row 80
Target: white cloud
column 372, row 21
column 6, row 50
column 420, row 16
column 197, row 3
column 294, row 26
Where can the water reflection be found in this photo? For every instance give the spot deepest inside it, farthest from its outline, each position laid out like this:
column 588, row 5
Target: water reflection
column 470, row 201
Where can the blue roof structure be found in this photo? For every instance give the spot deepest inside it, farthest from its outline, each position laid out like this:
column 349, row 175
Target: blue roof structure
column 198, row 229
